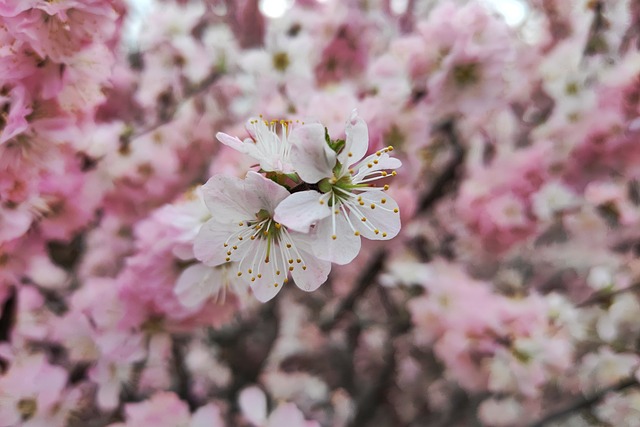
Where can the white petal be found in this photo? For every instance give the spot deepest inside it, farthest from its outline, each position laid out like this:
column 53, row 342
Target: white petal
column 207, row 416
column 383, row 217
column 264, row 289
column 315, row 274
column 248, row 146
column 225, row 198
column 311, row 157
column 300, row 210
column 253, row 404
column 374, row 163
column 232, row 141
column 197, row 283
column 208, row 246
column 263, row 192
column 357, row 140
column 341, row 250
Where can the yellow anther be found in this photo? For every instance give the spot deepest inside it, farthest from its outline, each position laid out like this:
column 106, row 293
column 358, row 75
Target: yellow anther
column 395, row 210
column 376, row 231
column 253, row 279
column 356, row 233
column 304, row 267
column 378, row 153
column 298, row 260
column 225, row 245
column 384, row 173
column 253, row 237
column 373, row 206
column 390, row 148
column 369, row 165
column 235, row 247
column 227, row 259
column 278, row 225
column 290, row 261
column 241, row 223
column 288, row 245
column 259, row 276
column 384, row 234
column 275, row 285
column 239, row 237
column 277, row 272
column 363, row 219
column 228, row 252
column 250, row 271
column 350, row 154
column 291, row 268
column 361, row 203
column 383, row 201
column 375, row 161
column 239, row 273
column 394, row 173
column 334, row 237
column 322, row 202
column 386, row 187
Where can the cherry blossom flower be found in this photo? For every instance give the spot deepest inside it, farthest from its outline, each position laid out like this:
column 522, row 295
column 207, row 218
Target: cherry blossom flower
column 265, row 145
column 345, row 205
column 243, row 230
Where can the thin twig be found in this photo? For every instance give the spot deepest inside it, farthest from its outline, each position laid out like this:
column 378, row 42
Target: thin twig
column 366, row 279
column 583, row 403
column 189, row 93
column 182, row 375
column 599, row 297
column 451, row 172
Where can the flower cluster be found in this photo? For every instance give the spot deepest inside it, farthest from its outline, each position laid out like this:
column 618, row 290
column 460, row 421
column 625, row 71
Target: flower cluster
column 148, row 218
column 317, row 198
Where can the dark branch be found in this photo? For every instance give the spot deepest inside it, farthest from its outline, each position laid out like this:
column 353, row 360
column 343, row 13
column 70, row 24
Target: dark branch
column 603, row 297
column 443, row 182
column 583, row 403
column 366, row 279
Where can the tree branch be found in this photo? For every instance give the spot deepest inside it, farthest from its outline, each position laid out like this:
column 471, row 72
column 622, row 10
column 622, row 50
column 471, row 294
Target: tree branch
column 449, row 175
column 366, row 279
column 583, row 403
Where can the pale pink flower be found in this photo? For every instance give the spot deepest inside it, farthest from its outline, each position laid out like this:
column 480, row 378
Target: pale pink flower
column 32, row 393
column 253, row 404
column 243, row 230
column 165, row 409
column 347, row 205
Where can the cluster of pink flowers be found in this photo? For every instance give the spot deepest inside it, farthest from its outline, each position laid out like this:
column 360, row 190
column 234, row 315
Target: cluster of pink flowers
column 166, row 173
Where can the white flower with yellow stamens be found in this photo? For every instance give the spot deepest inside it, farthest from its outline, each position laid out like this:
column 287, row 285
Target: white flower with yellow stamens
column 271, row 149
column 242, row 231
column 346, row 204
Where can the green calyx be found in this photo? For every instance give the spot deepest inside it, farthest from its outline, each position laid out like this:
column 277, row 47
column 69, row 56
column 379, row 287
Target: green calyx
column 334, row 186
